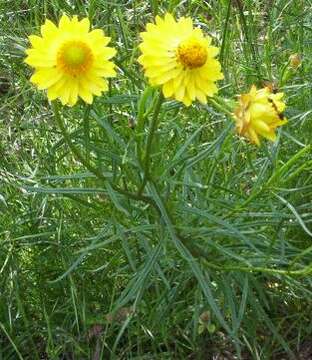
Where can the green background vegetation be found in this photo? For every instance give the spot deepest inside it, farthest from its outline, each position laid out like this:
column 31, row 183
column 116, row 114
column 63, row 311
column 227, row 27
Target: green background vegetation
column 214, row 257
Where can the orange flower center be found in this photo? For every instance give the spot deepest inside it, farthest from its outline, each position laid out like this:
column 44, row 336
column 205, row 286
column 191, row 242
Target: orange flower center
column 192, row 53
column 74, row 58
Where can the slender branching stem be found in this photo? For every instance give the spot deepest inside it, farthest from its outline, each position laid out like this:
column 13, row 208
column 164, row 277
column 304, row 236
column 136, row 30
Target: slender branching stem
column 152, row 130
column 79, row 156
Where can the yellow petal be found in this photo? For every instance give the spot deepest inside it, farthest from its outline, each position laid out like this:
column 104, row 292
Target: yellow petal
column 105, row 71
column 73, row 97
column 98, row 38
column 187, row 101
column 269, row 135
column 261, row 126
column 45, row 78
column 169, row 18
column 64, row 93
column 253, row 136
column 64, row 22
column 159, row 20
column 168, row 89
column 201, row 96
column 84, row 25
column 36, row 41
column 209, row 88
column 85, row 93
column 186, row 24
column 107, row 52
column 190, row 88
column 39, row 62
column 160, row 79
column 180, row 93
column 48, row 29
column 54, row 90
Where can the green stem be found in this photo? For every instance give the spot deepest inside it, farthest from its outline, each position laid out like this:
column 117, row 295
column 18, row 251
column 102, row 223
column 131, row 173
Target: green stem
column 200, row 253
column 276, row 175
column 196, row 251
column 220, row 107
column 302, row 272
column 225, row 31
column 226, row 103
column 152, row 130
column 78, row 155
column 141, row 116
column 86, row 127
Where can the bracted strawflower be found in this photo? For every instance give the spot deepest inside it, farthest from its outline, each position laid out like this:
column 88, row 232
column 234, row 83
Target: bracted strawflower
column 259, row 113
column 178, row 57
column 71, row 61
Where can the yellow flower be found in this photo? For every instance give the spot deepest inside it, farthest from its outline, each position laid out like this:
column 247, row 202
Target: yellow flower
column 180, row 59
column 259, row 112
column 70, row 60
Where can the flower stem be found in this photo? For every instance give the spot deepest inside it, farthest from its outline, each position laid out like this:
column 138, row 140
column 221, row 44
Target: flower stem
column 86, row 127
column 79, row 156
column 152, row 130
column 222, row 107
column 226, row 103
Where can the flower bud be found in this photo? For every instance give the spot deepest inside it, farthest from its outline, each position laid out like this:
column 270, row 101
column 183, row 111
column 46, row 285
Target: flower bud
column 295, row 61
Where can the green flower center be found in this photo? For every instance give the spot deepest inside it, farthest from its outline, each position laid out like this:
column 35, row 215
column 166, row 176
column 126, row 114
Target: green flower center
column 74, row 57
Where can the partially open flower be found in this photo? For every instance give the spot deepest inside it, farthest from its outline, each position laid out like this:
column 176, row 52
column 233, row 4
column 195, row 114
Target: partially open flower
column 295, row 61
column 259, row 113
column 178, row 57
column 70, row 61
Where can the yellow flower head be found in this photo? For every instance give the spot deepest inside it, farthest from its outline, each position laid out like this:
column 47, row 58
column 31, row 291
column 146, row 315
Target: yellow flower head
column 180, row 59
column 70, row 60
column 259, row 113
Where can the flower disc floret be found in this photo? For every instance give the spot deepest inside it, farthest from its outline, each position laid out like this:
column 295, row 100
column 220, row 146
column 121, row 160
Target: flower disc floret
column 74, row 58
column 180, row 59
column 192, row 54
column 70, row 60
column 259, row 113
